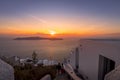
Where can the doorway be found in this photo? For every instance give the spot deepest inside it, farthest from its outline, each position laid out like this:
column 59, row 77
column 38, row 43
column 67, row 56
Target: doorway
column 105, row 66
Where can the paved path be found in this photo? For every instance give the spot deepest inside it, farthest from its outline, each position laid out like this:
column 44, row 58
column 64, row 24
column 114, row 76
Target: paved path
column 62, row 77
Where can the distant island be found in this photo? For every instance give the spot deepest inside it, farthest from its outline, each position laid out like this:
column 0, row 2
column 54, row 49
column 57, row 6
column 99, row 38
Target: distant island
column 36, row 38
column 104, row 39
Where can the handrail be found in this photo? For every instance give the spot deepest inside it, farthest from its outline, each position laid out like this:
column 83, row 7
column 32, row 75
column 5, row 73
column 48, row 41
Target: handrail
column 68, row 68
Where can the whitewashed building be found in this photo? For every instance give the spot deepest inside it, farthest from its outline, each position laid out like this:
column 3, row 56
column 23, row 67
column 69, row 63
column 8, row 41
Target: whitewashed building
column 93, row 59
column 6, row 71
column 113, row 75
column 49, row 62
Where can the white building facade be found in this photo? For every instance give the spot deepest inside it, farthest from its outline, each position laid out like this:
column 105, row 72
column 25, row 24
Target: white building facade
column 6, row 71
column 94, row 59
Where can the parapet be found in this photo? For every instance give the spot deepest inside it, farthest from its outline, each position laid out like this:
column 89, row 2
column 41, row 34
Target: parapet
column 6, row 71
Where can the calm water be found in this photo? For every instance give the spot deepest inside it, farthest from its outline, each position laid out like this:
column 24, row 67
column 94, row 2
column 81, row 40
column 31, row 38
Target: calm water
column 45, row 49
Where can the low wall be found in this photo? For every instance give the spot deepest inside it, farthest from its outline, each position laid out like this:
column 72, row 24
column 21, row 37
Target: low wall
column 47, row 77
column 6, row 71
column 113, row 75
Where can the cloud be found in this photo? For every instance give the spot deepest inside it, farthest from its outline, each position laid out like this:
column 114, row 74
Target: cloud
column 38, row 19
column 44, row 22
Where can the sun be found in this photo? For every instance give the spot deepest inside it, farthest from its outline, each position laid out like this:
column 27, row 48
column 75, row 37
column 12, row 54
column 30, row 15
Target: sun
column 52, row 33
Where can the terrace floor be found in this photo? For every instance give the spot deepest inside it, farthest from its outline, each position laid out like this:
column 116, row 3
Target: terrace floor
column 61, row 77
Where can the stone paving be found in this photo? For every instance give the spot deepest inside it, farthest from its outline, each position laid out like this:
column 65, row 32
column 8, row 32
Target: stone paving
column 62, row 77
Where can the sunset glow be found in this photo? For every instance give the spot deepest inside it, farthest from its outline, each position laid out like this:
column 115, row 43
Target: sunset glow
column 72, row 19
column 52, row 33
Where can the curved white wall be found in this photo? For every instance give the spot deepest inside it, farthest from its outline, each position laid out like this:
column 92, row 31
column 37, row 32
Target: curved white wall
column 6, row 71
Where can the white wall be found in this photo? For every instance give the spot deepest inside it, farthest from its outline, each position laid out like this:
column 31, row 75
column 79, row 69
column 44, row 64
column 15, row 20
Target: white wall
column 6, row 71
column 46, row 77
column 72, row 58
column 89, row 56
column 113, row 75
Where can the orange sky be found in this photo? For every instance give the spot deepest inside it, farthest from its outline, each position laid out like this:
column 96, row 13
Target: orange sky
column 67, row 18
column 81, row 26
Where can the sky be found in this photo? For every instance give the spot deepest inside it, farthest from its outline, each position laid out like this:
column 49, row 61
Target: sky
column 63, row 17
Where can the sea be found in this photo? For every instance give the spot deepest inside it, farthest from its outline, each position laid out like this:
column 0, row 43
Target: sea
column 45, row 49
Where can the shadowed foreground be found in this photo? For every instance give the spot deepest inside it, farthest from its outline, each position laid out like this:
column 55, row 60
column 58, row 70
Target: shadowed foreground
column 34, row 73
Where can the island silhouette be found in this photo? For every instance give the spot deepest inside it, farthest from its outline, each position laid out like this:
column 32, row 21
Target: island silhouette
column 37, row 38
